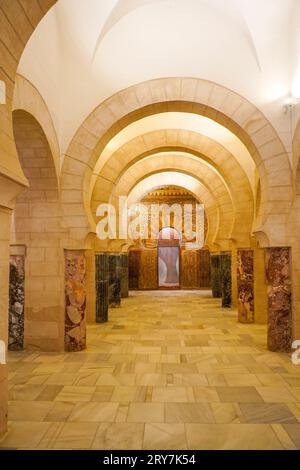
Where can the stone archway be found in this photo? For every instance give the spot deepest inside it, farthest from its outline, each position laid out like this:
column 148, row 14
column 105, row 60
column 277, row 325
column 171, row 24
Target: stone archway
column 186, row 95
column 37, row 227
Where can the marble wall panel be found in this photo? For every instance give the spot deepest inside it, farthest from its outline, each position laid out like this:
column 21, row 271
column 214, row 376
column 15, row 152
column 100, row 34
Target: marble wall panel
column 75, row 300
column 114, row 284
column 245, row 285
column 134, row 269
column 124, row 274
column 148, row 269
column 278, row 277
column 205, row 271
column 16, row 302
column 216, row 284
column 102, row 281
column 225, row 263
column 189, row 269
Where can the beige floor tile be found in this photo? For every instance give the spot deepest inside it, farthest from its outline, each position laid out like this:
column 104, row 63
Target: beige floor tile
column 86, row 378
column 76, row 436
column 226, row 413
column 146, row 413
column 206, row 395
column 49, row 392
column 75, row 393
column 189, row 379
column 50, row 436
column 270, row 379
column 188, row 413
column 267, row 413
column 179, row 369
column 163, row 436
column 103, row 393
column 61, row 379
column 32, row 411
column 60, row 411
column 120, row 379
column 170, row 394
column 231, row 437
column 151, row 379
column 293, row 431
column 94, row 412
column 283, row 437
column 215, row 380
column 25, row 392
column 239, row 395
column 129, row 394
column 24, row 434
column 122, row 436
column 295, row 409
column 276, row 394
column 241, row 380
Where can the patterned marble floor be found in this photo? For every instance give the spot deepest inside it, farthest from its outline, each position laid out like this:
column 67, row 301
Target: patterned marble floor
column 171, row 370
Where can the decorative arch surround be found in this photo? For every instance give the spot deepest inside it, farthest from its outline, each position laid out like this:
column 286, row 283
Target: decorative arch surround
column 197, row 189
column 186, row 95
column 206, row 177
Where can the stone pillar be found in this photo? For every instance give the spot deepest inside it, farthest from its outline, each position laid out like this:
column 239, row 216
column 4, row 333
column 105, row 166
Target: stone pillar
column 44, row 328
column 245, row 285
column 75, row 300
column 101, row 287
column 16, row 298
column 124, row 273
column 215, row 263
column 278, row 277
column 114, row 285
column 226, row 279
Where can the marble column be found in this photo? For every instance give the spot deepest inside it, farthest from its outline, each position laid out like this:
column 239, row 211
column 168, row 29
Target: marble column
column 260, row 287
column 101, row 287
column 75, row 300
column 215, row 263
column 124, row 274
column 16, row 300
column 278, row 278
column 205, row 270
column 225, row 263
column 114, row 285
column 245, row 285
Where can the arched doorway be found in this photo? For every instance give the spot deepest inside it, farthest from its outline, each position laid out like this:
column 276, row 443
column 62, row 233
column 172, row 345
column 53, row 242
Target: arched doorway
column 168, row 258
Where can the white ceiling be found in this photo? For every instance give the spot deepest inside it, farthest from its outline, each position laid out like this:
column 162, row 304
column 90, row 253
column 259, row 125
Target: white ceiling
column 83, row 51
